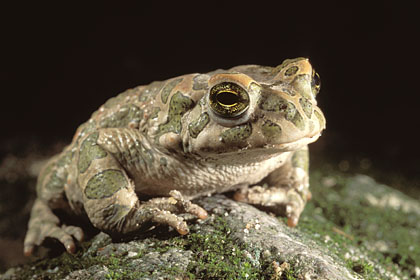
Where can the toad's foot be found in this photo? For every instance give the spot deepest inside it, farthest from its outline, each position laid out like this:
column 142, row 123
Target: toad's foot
column 43, row 224
column 281, row 201
column 161, row 210
column 164, row 210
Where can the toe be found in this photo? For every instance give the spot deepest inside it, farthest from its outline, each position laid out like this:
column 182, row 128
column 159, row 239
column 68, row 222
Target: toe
column 76, row 232
column 196, row 211
column 293, row 212
column 65, row 238
column 28, row 250
column 166, row 217
column 292, row 221
column 32, row 238
column 187, row 206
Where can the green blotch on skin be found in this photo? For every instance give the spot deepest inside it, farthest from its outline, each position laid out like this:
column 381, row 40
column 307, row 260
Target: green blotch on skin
column 271, row 130
column 306, row 106
column 320, row 118
column 105, row 184
column 65, row 160
column 89, row 151
column 55, row 182
column 291, row 71
column 87, row 127
column 126, row 114
column 198, row 125
column 155, row 112
column 273, row 103
column 298, row 121
column 301, row 159
column 236, row 134
column 178, row 106
column 163, row 161
column 167, row 89
column 276, row 103
column 58, row 173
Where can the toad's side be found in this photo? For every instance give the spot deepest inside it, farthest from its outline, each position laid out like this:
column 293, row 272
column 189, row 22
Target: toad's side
column 243, row 129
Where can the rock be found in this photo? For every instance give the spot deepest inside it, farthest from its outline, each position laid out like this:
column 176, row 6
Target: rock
column 354, row 228
column 99, row 241
column 264, row 233
column 141, row 255
column 380, row 196
column 95, row 272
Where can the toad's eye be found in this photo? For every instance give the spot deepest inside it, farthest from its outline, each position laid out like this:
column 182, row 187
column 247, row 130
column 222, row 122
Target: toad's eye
column 315, row 83
column 228, row 100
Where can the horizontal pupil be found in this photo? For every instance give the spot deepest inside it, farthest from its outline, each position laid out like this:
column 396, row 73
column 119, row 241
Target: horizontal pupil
column 227, row 98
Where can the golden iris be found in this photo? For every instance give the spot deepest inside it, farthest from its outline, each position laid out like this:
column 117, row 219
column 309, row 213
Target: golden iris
column 228, row 100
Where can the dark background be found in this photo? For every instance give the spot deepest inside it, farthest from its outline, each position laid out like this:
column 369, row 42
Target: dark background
column 60, row 62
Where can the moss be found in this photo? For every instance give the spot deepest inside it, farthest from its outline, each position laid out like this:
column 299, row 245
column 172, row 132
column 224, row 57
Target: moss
column 362, row 268
column 46, row 268
column 118, row 269
column 352, row 228
column 218, row 256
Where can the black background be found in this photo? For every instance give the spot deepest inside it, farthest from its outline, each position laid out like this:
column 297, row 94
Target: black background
column 60, row 62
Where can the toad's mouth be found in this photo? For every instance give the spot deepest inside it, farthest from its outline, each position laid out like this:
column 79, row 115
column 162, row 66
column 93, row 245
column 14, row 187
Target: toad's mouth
column 255, row 153
column 252, row 155
column 293, row 145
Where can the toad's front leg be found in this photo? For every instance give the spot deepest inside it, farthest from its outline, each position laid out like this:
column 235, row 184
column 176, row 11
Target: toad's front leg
column 109, row 196
column 287, row 191
column 43, row 223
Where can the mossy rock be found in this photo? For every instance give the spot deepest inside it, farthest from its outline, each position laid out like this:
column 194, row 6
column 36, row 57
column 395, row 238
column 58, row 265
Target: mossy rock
column 353, row 228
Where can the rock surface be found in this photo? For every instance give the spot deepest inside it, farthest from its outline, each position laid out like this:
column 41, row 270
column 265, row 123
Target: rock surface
column 238, row 239
column 267, row 234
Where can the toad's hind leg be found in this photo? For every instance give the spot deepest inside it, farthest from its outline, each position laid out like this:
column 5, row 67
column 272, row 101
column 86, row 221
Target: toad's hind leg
column 109, row 196
column 287, row 191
